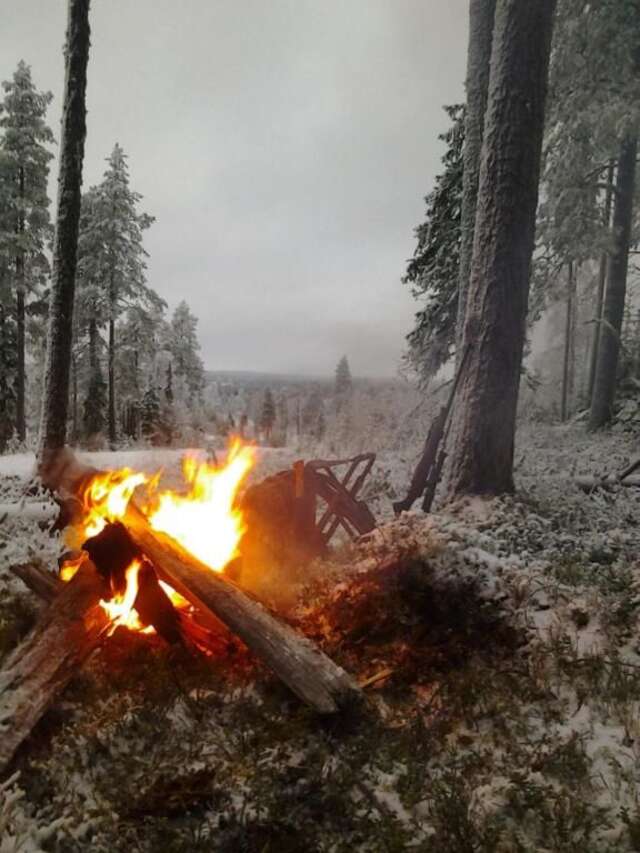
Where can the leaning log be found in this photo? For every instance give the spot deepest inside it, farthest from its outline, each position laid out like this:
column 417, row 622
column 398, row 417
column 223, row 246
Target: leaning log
column 300, row 664
column 44, row 583
column 38, row 670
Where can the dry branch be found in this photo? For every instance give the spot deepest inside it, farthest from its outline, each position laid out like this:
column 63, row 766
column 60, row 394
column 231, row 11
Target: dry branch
column 44, row 663
column 611, row 481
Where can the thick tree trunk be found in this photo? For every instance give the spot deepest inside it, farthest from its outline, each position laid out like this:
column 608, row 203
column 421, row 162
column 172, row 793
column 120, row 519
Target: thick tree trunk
column 481, row 21
column 602, row 280
column 42, row 666
column 484, row 418
column 569, row 350
column 53, row 427
column 604, row 387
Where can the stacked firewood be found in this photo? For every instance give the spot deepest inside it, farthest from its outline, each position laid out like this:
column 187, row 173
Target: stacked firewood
column 74, row 624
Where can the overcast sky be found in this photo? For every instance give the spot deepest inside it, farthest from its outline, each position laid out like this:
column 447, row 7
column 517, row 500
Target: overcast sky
column 284, row 147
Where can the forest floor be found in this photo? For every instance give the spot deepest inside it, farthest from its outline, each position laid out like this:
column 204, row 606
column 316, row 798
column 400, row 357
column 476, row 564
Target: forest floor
column 502, row 638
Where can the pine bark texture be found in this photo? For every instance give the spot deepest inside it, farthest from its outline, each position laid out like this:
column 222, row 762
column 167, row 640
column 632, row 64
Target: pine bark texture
column 604, row 387
column 483, row 426
column 481, row 21
column 53, row 426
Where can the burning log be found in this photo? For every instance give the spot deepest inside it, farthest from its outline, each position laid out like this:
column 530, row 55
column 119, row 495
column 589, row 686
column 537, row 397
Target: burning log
column 44, row 663
column 112, row 552
column 309, row 673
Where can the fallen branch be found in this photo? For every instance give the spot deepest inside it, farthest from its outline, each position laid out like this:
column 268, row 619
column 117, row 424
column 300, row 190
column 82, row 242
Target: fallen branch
column 609, row 482
column 37, row 671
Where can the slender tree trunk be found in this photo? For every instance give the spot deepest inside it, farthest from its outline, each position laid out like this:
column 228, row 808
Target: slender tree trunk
column 21, row 390
column 604, row 387
column 602, row 278
column 112, row 381
column 481, row 21
column 483, row 427
column 74, row 375
column 568, row 361
column 93, row 347
column 5, row 379
column 636, row 354
column 53, row 427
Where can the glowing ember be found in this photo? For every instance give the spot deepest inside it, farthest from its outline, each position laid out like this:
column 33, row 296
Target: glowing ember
column 205, row 521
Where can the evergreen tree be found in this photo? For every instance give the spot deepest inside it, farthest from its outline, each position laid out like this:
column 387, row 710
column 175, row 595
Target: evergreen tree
column 25, row 166
column 167, row 410
column 593, row 113
column 184, row 348
column 433, row 272
column 344, row 382
column 116, row 268
column 150, row 411
column 95, row 405
column 312, row 417
column 268, row 415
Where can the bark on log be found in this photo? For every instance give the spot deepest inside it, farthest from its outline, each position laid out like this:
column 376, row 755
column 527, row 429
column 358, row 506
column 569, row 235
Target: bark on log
column 43, row 664
column 307, row 671
column 45, row 584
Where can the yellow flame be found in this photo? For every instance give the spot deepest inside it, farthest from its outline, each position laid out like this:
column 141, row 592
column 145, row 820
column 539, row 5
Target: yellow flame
column 120, row 609
column 106, row 498
column 205, row 521
column 176, row 599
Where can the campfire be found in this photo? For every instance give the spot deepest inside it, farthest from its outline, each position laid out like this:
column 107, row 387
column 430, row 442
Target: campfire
column 151, row 560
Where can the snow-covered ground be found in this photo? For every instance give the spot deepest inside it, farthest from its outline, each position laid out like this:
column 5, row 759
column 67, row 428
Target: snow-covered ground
column 507, row 718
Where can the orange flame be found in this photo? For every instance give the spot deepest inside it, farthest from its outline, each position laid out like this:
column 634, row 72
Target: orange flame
column 205, row 521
